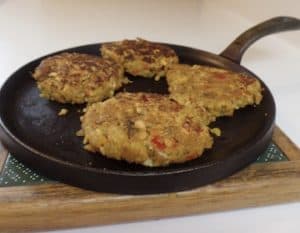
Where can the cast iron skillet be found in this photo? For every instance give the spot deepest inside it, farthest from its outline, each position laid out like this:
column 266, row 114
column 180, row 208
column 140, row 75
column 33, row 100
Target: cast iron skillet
column 32, row 131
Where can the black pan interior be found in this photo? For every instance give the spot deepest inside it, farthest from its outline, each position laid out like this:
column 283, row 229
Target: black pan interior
column 30, row 125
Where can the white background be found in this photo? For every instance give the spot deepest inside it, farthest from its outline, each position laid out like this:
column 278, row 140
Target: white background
column 29, row 29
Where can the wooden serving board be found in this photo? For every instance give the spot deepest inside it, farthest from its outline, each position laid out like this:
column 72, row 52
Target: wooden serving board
column 56, row 206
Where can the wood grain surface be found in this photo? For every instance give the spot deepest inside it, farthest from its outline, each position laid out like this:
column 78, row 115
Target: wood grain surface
column 57, row 206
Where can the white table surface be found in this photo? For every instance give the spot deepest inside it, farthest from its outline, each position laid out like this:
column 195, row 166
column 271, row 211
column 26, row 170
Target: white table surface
column 29, row 29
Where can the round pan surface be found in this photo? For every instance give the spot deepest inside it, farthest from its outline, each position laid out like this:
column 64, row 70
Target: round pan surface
column 33, row 132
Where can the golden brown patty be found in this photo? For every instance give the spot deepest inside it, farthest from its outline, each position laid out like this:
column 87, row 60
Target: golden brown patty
column 148, row 129
column 219, row 91
column 141, row 57
column 78, row 78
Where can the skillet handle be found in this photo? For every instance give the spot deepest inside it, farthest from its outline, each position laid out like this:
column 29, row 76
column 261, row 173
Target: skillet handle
column 237, row 48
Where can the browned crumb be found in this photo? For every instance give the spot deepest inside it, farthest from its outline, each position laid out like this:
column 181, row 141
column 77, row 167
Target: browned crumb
column 80, row 133
column 63, row 112
column 216, row 131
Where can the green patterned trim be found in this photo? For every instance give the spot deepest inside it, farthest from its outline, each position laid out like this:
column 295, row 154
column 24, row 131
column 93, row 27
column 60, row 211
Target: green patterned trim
column 272, row 154
column 15, row 173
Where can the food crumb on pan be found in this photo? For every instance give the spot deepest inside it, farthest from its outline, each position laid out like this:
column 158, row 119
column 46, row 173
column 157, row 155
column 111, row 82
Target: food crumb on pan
column 80, row 133
column 63, row 112
column 216, row 131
